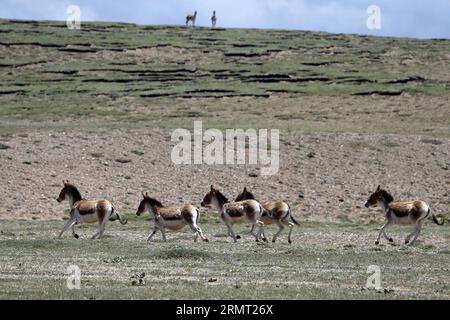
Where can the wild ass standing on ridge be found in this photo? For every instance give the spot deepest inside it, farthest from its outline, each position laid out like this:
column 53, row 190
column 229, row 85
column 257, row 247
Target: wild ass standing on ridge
column 191, row 17
column 213, row 19
column 234, row 212
column 274, row 212
column 173, row 218
column 400, row 212
column 86, row 211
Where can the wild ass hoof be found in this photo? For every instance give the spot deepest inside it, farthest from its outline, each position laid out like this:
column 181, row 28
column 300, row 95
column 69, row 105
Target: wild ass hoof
column 238, row 237
column 290, row 241
column 264, row 239
column 206, row 240
column 391, row 240
column 377, row 242
column 76, row 236
column 273, row 240
column 406, row 241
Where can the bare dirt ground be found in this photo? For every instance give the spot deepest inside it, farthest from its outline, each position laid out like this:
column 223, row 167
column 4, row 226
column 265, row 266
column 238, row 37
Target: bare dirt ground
column 322, row 175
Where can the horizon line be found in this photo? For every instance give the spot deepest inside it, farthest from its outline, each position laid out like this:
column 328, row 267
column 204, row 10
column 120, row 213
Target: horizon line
column 225, row 28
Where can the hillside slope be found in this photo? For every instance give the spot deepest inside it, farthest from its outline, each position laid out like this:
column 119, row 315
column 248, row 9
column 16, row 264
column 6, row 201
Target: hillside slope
column 167, row 74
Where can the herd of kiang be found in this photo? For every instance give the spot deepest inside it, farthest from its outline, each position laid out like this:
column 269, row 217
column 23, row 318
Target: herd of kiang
column 192, row 17
column 244, row 209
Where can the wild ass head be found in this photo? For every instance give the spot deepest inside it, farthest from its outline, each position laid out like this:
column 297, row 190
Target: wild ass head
column 214, row 198
column 147, row 204
column 69, row 191
column 379, row 196
column 245, row 195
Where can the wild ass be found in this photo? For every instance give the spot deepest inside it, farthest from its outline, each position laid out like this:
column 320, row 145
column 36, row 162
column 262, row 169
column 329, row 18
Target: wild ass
column 274, row 212
column 191, row 17
column 173, row 218
column 213, row 19
column 235, row 212
column 400, row 212
column 86, row 211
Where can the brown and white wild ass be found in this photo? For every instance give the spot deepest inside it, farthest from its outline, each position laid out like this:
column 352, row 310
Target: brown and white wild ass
column 400, row 212
column 214, row 19
column 173, row 217
column 86, row 211
column 191, row 17
column 235, row 212
column 277, row 212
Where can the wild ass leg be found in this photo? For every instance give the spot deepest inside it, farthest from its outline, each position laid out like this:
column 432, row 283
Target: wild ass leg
column 195, row 233
column 252, row 231
column 68, row 224
column 291, row 226
column 237, row 236
column 230, row 230
column 73, row 232
column 382, row 231
column 415, row 233
column 418, row 228
column 159, row 223
column 387, row 237
column 410, row 235
column 155, row 229
column 163, row 232
column 281, row 228
column 261, row 233
column 198, row 232
column 102, row 229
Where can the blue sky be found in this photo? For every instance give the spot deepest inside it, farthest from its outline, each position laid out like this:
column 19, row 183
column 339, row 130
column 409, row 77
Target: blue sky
column 410, row 18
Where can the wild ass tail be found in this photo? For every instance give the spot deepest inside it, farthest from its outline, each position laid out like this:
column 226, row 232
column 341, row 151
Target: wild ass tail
column 263, row 211
column 292, row 218
column 198, row 216
column 435, row 219
column 121, row 220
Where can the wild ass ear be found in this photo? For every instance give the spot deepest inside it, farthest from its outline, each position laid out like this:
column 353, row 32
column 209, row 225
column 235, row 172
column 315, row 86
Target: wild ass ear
column 212, row 188
column 379, row 187
column 143, row 195
column 245, row 189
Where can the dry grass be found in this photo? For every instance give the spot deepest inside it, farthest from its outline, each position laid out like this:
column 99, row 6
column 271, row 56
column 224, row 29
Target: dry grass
column 326, row 261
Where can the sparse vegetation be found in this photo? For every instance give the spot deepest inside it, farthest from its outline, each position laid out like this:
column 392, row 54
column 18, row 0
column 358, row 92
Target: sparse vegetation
column 326, row 260
column 165, row 75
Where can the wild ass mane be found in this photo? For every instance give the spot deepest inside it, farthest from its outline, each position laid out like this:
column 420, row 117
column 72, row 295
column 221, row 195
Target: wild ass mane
column 74, row 192
column 154, row 202
column 245, row 195
column 221, row 197
column 386, row 195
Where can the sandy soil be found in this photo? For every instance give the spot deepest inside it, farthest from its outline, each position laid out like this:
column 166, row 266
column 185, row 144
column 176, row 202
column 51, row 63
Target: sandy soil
column 323, row 176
